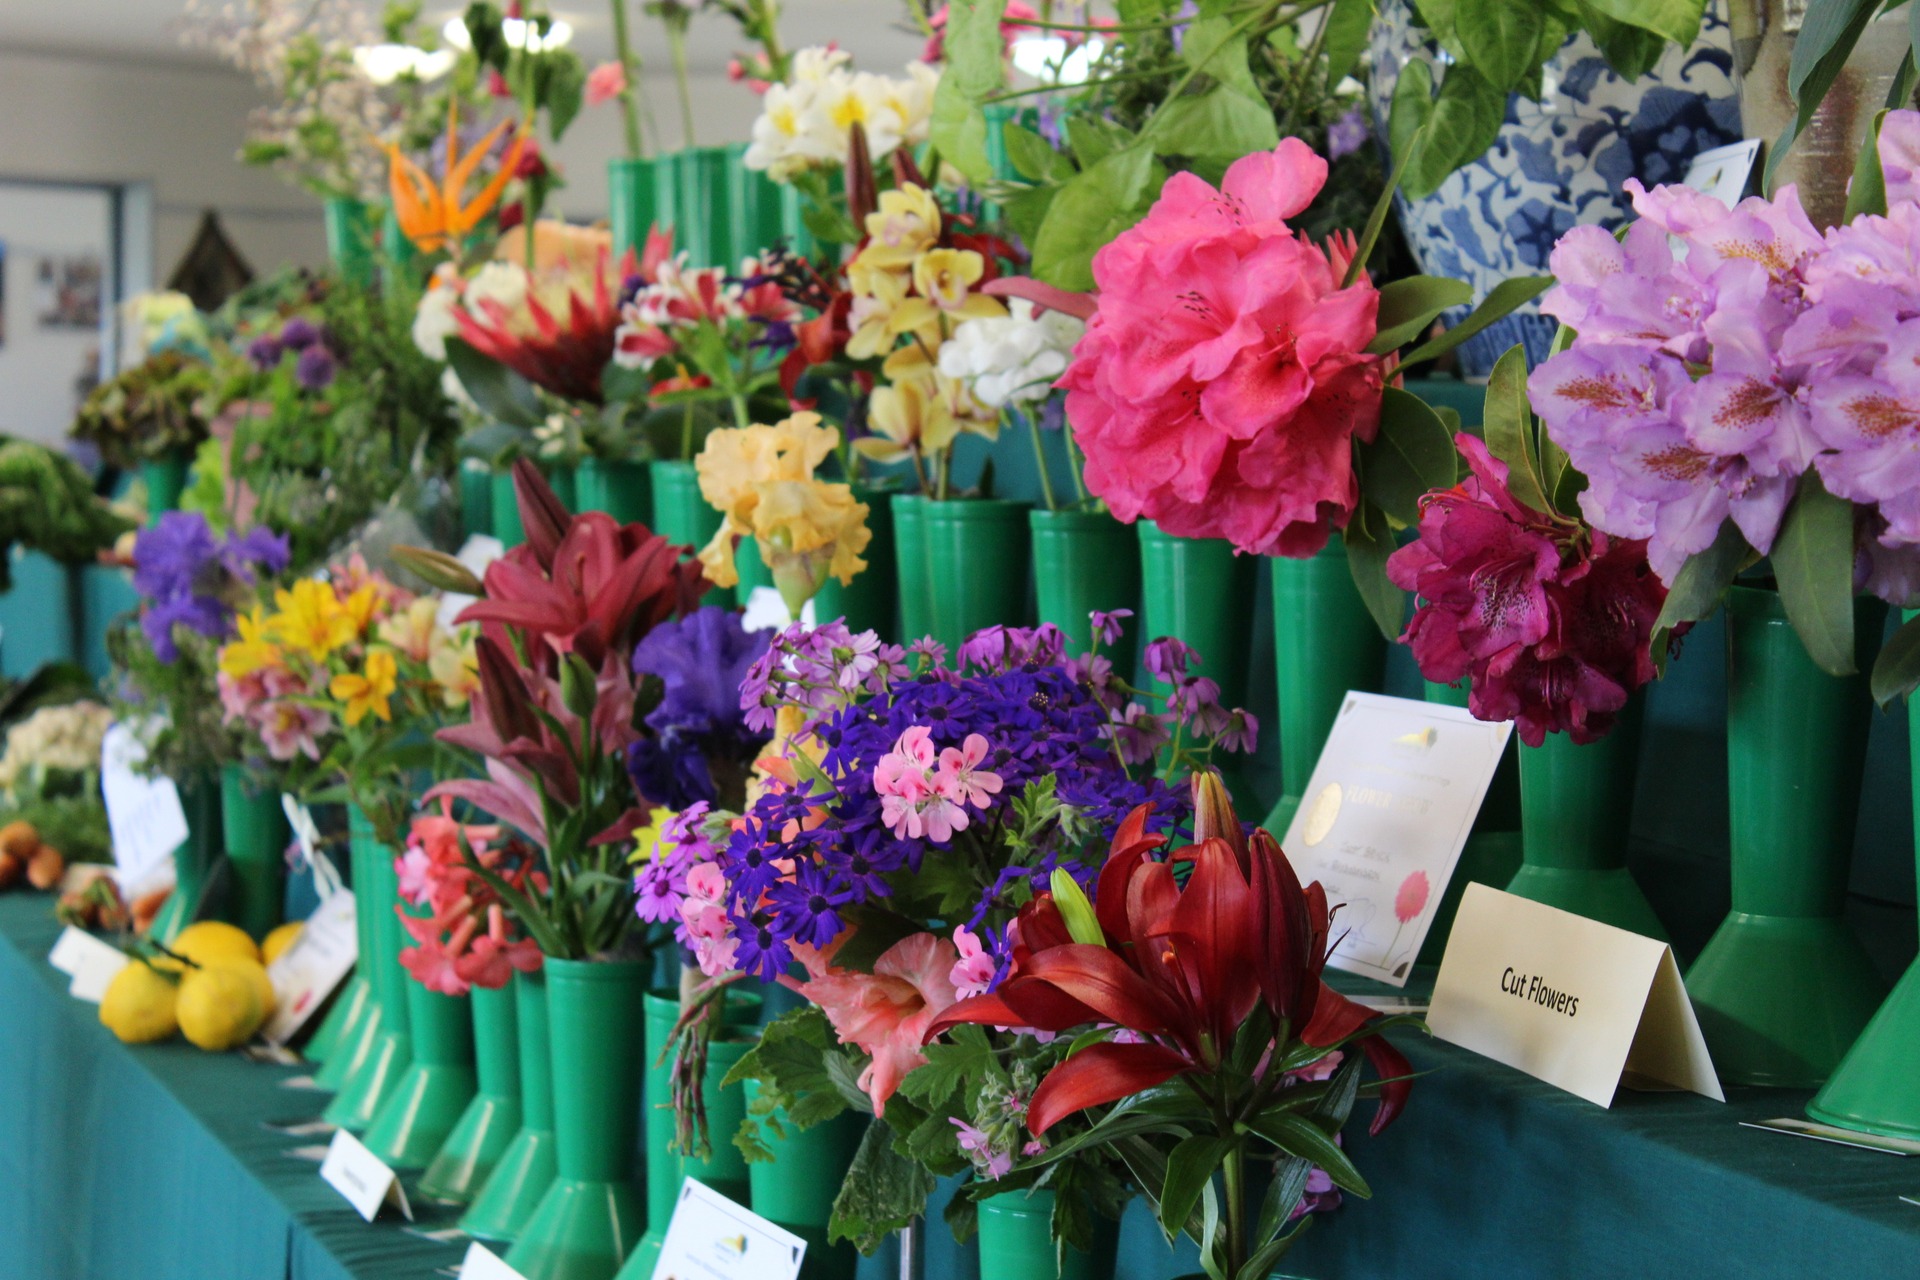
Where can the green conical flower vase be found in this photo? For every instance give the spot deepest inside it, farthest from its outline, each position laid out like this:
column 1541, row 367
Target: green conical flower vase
column 913, row 587
column 353, row 1023
column 166, row 480
column 476, row 498
column 630, row 193
column 433, row 1093
column 256, row 831
column 369, row 1084
column 1083, row 561
column 796, row 1189
column 196, row 882
column 976, row 566
column 506, row 511
column 1783, row 987
column 620, row 489
column 350, row 239
column 1016, row 1241
column 866, row 603
column 527, row 1168
column 682, row 516
column 1197, row 591
column 491, row 1120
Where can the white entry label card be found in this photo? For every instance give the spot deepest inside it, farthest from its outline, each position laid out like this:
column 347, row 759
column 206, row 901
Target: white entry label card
column 1581, row 1005
column 362, row 1177
column 306, row 973
column 144, row 815
column 1384, row 818
column 90, row 963
column 482, row 1263
column 712, row 1238
column 1723, row 172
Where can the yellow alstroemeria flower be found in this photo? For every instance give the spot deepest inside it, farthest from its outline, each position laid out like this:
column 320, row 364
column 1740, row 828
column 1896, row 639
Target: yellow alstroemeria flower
column 362, row 605
column 411, row 631
column 253, row 651
column 368, row 692
column 904, row 225
column 455, row 666
column 943, row 281
column 311, row 620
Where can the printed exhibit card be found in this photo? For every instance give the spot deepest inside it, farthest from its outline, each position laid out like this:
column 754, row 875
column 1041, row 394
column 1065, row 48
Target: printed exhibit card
column 712, row 1238
column 1384, row 818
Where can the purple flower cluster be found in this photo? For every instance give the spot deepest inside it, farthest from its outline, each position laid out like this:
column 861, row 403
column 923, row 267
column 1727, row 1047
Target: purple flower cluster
column 1708, row 378
column 191, row 578
column 701, row 661
column 315, row 364
column 820, row 669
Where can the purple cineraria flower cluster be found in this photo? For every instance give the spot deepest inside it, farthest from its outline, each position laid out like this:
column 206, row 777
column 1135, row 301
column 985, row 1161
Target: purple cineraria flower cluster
column 191, row 578
column 1723, row 353
column 818, row 669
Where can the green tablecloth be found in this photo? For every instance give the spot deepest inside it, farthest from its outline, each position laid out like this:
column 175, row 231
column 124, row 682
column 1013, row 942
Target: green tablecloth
column 154, row 1163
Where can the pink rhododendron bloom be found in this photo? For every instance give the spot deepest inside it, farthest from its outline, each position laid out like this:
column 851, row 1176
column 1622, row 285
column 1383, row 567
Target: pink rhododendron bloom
column 1223, row 379
column 1551, row 622
column 887, row 1012
column 605, row 83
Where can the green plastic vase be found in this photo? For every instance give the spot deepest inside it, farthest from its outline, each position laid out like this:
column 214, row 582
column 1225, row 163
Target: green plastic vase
column 491, row 1120
column 354, row 1021
column 350, row 237
column 913, row 587
column 339, row 1033
column 701, row 207
column 725, row 1171
column 976, row 566
column 1576, row 816
column 682, row 515
column 433, row 1092
column 1197, row 591
column 527, row 1168
column 1492, row 854
column 1016, row 1241
column 166, row 480
column 752, row 569
column 1325, row 643
column 590, row 1216
column 372, row 1082
column 630, row 197
column 1082, row 561
column 506, row 511
column 753, row 205
column 796, row 1189
column 398, row 254
column 476, row 498
column 1783, row 987
column 866, row 603
column 196, row 886
column 621, row 489
column 256, row 832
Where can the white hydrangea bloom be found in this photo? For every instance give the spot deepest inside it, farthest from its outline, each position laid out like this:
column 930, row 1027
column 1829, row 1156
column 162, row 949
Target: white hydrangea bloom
column 1013, row 359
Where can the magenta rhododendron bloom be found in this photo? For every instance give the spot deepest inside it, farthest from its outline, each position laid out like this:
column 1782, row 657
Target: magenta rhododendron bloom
column 1223, row 380
column 1551, row 621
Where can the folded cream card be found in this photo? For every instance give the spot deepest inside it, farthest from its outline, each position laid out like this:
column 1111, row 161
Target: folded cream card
column 1582, row 1005
column 367, row 1182
column 1384, row 818
column 712, row 1238
column 306, row 973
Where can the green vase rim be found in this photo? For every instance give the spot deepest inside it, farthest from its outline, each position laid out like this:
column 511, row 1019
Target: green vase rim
column 1151, row 532
column 974, row 510
column 632, row 164
column 675, row 466
column 1067, row 518
column 619, row 972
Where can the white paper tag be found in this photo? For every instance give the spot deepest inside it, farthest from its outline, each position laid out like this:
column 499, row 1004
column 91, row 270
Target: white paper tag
column 715, row 1239
column 362, row 1177
column 482, row 1263
column 90, row 963
column 1581, row 1005
column 143, row 814
column 1384, row 818
column 1723, row 172
column 306, row 973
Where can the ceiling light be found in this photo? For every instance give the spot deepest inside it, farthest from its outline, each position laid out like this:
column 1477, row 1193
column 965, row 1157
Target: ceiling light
column 385, row 63
column 518, row 33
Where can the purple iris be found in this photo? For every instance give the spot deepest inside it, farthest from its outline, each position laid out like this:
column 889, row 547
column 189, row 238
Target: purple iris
column 189, row 577
column 701, row 661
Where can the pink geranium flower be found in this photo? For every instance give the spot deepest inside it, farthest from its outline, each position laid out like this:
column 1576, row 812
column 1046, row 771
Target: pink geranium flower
column 605, row 83
column 1223, row 378
column 887, row 1012
column 972, row 973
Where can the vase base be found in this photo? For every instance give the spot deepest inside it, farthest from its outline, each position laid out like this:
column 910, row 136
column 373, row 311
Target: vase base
column 512, row 1191
column 645, row 1254
column 1782, row 998
column 371, row 1083
column 1610, row 896
column 420, row 1113
column 1872, row 1089
column 468, row 1156
column 343, row 1026
column 580, row 1231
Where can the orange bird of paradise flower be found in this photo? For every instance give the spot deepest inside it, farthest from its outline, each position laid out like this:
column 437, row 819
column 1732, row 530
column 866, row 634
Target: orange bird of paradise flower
column 438, row 217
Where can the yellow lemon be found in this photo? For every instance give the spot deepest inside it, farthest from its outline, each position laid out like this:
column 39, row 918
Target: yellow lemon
column 211, row 939
column 138, row 1006
column 256, row 974
column 218, row 1006
column 275, row 944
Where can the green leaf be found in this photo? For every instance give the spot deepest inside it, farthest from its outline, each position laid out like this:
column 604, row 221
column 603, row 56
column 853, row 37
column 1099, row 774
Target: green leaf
column 1089, row 211
column 1032, row 157
column 1411, row 109
column 565, row 90
column 1410, row 305
column 1675, row 20
column 1867, row 193
column 883, row 1192
column 1696, row 590
column 1508, row 424
column 1825, row 42
column 1502, row 300
column 1896, row 672
column 1190, row 1168
column 1368, row 546
column 502, row 394
column 1301, row 1137
column 1500, row 36
column 1093, row 140
column 1348, row 24
column 1465, row 122
column 1216, row 46
column 973, row 71
column 1410, row 456
column 1283, row 1193
column 1630, row 50
column 964, row 1054
column 1222, row 124
column 1813, row 565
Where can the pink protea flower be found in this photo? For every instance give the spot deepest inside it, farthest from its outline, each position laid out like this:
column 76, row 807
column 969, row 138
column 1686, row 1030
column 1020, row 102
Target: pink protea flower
column 1551, row 621
column 1223, row 378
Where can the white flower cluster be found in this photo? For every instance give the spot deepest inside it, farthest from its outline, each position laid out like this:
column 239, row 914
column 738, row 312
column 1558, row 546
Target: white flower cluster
column 804, row 123
column 1011, row 359
column 504, row 282
column 55, row 738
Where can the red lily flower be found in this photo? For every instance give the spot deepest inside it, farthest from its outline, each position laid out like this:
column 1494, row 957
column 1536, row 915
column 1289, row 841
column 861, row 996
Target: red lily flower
column 1182, row 968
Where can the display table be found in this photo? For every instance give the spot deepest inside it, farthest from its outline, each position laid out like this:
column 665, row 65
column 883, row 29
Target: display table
column 154, row 1161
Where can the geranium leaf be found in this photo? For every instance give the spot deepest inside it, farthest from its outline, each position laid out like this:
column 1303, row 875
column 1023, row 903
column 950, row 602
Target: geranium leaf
column 1368, row 546
column 1896, row 672
column 1813, row 565
column 1500, row 302
column 1410, row 456
column 1408, row 306
column 883, row 1192
column 1508, row 424
column 963, row 1055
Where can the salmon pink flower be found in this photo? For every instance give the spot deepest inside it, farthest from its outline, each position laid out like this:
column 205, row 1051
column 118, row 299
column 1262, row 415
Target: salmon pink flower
column 889, row 1012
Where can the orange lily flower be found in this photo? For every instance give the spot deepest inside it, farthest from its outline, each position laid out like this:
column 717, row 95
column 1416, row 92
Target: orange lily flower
column 439, row 217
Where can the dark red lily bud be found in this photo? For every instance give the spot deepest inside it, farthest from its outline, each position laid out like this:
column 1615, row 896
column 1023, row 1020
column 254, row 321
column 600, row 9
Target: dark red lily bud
column 861, row 197
column 905, row 171
column 542, row 515
column 503, row 694
column 1213, row 815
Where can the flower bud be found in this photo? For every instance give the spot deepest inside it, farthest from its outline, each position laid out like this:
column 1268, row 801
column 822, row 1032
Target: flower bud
column 438, row 570
column 578, row 688
column 1213, row 815
column 1071, row 901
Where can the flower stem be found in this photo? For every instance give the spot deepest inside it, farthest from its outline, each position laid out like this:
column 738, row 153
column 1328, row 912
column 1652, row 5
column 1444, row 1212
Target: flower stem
column 1039, row 460
column 1079, row 466
column 677, row 43
column 630, row 71
column 1375, row 221
column 1236, row 1206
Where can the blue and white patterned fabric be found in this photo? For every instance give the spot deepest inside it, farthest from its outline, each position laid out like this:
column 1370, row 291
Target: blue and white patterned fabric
column 1558, row 162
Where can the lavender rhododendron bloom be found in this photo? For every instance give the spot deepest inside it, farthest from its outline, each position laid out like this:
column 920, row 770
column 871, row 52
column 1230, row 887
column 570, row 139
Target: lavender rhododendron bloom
column 191, row 578
column 1552, row 622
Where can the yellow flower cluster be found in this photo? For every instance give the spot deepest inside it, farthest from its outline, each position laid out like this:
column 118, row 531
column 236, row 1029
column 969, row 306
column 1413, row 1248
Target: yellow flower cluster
column 761, row 481
column 908, row 294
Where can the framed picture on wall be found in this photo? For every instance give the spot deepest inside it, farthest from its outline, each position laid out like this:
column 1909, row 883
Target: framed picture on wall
column 66, row 291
